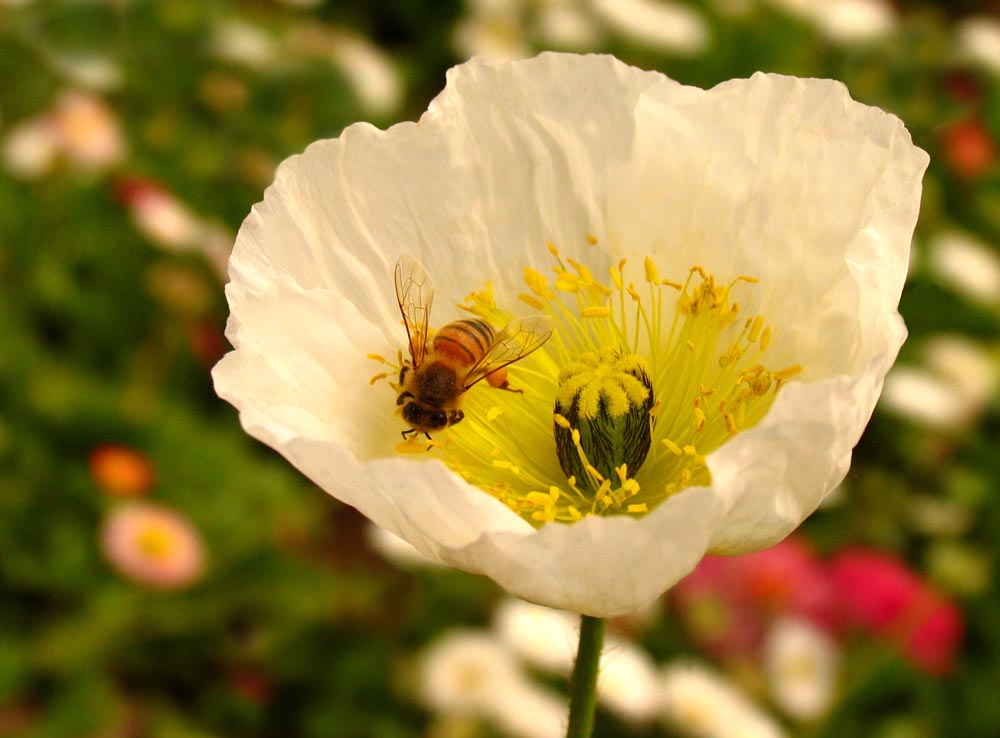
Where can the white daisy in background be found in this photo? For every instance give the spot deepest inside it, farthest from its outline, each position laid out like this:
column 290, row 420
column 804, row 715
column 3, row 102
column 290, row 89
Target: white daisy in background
column 660, row 24
column 371, row 72
column 543, row 637
column 967, row 265
column 470, row 673
column 465, row 671
column 845, row 21
column 493, row 30
column 701, row 703
column 979, row 41
column 91, row 71
column 802, row 663
column 547, row 639
column 628, row 683
column 528, row 711
column 31, row 147
column 722, row 269
column 566, row 24
column 244, row 43
column 949, row 389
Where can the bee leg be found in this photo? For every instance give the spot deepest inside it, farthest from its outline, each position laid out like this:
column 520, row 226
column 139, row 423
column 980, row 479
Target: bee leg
column 431, row 444
column 455, row 416
column 409, row 432
column 499, row 380
column 403, row 396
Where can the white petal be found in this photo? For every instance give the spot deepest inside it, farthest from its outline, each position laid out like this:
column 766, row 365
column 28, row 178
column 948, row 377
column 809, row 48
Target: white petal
column 794, row 183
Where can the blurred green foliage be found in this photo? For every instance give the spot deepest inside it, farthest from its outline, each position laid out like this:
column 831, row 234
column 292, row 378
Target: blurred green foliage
column 298, row 628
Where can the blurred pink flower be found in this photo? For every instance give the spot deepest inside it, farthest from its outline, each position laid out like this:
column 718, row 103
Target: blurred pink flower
column 169, row 223
column 89, row 130
column 153, row 545
column 728, row 602
column 79, row 128
column 880, row 593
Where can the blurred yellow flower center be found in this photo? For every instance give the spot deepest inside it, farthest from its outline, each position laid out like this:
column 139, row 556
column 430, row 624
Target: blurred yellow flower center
column 623, row 403
column 154, row 543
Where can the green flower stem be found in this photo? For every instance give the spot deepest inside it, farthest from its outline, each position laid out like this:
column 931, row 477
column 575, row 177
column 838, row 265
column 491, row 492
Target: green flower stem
column 583, row 683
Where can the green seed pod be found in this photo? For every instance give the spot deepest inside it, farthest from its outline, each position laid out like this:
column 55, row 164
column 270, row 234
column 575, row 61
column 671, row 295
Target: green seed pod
column 607, row 397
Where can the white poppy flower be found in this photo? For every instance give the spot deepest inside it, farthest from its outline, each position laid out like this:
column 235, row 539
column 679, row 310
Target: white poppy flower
column 780, row 194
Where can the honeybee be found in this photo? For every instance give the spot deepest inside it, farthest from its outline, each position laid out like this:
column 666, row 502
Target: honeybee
column 460, row 354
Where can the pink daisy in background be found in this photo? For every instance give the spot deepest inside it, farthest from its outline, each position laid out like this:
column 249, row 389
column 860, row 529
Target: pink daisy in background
column 153, row 545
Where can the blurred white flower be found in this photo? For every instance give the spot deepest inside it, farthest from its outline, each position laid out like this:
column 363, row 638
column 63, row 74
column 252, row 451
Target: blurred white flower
column 493, row 30
column 922, row 397
column 469, row 672
column 543, row 637
column 465, row 671
column 979, row 40
column 628, row 683
column 661, row 24
column 702, row 704
column 371, row 72
column 244, row 43
column 94, row 72
column 31, row 147
column 546, row 639
column 844, row 21
column 967, row 265
column 851, row 21
column 966, row 365
column 569, row 150
column 527, row 711
column 956, row 381
column 566, row 25
column 802, row 663
column 395, row 550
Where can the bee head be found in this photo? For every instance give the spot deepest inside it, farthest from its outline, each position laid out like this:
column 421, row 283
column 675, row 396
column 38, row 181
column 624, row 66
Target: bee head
column 426, row 419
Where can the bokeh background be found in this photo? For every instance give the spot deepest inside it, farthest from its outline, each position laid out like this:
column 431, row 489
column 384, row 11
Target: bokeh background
column 164, row 575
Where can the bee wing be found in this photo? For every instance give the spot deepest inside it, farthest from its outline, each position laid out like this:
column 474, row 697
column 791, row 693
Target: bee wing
column 414, row 293
column 519, row 338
